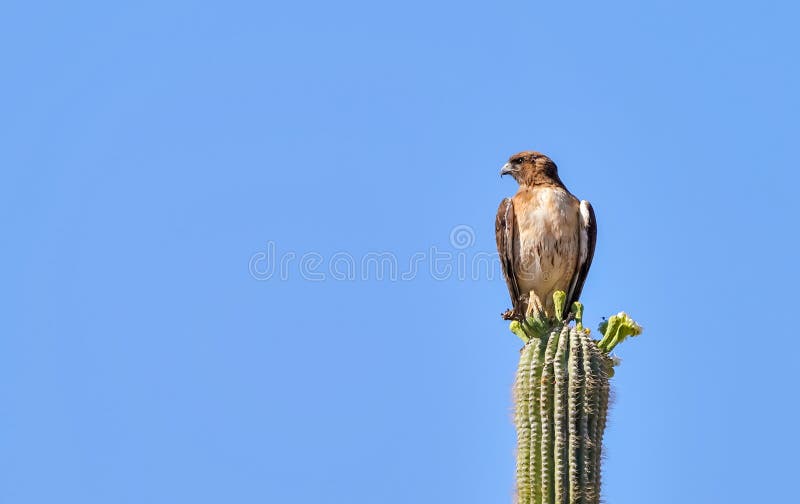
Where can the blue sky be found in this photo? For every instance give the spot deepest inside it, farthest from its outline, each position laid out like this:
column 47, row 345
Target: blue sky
column 155, row 155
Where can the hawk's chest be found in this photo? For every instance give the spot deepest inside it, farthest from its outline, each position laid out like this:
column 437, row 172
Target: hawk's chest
column 547, row 221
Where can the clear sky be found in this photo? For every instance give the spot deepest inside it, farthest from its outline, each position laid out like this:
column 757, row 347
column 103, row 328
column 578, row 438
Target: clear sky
column 161, row 160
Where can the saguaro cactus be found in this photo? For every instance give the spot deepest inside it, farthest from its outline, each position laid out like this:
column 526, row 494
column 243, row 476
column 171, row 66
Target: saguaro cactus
column 561, row 394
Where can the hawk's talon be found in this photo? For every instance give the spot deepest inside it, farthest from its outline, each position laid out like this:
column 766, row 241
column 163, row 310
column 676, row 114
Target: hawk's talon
column 511, row 315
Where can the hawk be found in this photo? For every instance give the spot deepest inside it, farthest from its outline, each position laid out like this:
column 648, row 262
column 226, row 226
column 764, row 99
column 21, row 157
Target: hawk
column 545, row 237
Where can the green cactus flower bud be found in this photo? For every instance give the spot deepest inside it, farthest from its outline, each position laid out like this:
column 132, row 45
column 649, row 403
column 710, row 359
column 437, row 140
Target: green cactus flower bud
column 516, row 327
column 559, row 298
column 616, row 330
column 577, row 310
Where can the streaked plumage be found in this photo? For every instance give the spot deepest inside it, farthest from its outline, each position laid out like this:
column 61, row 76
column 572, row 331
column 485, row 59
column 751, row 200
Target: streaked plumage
column 545, row 237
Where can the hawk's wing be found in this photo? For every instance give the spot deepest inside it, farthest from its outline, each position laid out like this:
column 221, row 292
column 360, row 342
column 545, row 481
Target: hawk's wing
column 505, row 230
column 587, row 239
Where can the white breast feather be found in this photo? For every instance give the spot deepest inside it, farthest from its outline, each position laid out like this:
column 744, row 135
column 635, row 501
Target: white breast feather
column 550, row 219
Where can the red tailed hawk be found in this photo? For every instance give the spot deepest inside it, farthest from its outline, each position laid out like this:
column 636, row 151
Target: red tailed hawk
column 545, row 237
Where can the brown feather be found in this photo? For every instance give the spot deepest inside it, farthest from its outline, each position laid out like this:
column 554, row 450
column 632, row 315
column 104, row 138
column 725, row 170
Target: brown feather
column 590, row 230
column 505, row 234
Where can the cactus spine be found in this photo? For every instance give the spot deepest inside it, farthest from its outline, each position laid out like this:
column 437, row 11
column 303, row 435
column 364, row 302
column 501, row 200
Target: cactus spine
column 561, row 395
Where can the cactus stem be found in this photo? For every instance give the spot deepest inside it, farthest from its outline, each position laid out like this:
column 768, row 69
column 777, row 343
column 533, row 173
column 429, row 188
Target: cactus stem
column 547, row 414
column 522, row 420
column 589, row 419
column 535, row 458
column 561, row 418
column 601, row 404
column 575, row 402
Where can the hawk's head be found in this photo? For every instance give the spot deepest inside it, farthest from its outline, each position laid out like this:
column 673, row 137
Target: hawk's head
column 531, row 168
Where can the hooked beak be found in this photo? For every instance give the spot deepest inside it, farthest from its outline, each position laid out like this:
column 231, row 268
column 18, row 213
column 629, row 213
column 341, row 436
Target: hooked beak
column 506, row 170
